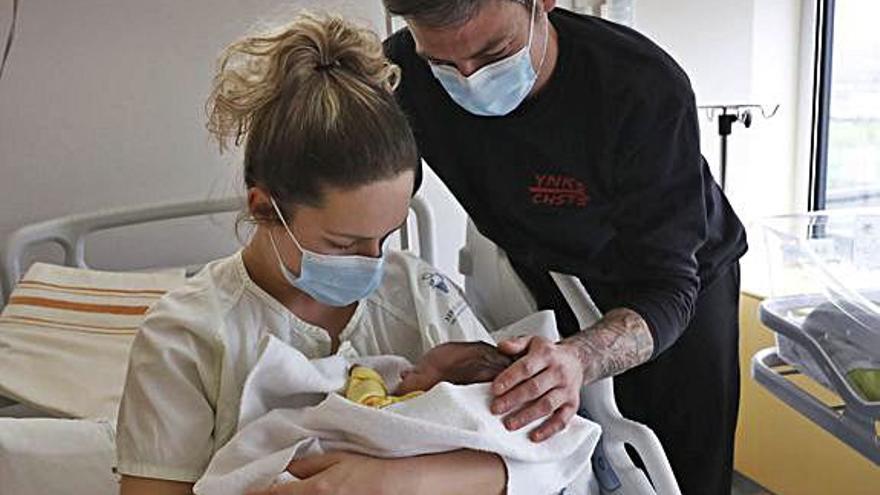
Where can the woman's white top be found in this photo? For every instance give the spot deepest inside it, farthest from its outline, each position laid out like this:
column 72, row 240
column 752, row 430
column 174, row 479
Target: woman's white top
column 197, row 345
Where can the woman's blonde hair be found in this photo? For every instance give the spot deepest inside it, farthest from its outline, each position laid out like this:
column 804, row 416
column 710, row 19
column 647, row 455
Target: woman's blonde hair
column 313, row 105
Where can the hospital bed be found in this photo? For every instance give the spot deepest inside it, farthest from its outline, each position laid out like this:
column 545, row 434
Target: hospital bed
column 44, row 454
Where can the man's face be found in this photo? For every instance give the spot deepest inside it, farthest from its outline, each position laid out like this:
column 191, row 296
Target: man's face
column 498, row 30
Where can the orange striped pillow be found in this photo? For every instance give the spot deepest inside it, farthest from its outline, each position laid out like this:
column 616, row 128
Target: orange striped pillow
column 65, row 335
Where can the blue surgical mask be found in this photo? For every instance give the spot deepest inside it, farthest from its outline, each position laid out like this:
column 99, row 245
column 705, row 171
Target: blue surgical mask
column 331, row 280
column 498, row 88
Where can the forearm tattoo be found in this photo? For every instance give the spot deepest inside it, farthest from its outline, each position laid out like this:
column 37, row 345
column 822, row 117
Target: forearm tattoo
column 619, row 341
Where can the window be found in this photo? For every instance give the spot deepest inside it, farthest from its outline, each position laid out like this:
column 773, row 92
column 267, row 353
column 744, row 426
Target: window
column 846, row 144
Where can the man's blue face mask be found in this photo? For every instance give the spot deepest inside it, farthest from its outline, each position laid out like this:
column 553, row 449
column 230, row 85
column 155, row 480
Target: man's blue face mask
column 498, row 88
column 331, row 280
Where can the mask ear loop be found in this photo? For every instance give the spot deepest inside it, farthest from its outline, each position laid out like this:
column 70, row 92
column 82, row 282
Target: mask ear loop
column 532, row 34
column 532, row 23
column 286, row 227
column 275, row 247
column 546, row 43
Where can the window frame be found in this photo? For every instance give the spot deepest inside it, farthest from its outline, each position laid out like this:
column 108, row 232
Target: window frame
column 822, row 71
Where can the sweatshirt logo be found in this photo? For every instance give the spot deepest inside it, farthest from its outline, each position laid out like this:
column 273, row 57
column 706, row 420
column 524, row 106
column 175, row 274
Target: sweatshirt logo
column 558, row 191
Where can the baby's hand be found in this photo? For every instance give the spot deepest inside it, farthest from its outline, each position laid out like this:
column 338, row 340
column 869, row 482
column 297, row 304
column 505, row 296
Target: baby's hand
column 413, row 380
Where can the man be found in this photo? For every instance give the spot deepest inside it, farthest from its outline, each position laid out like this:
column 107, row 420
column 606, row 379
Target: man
column 573, row 144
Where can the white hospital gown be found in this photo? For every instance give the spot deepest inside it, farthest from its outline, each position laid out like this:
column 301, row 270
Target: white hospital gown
column 189, row 362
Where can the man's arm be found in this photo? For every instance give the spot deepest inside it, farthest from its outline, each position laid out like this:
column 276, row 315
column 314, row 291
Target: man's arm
column 619, row 341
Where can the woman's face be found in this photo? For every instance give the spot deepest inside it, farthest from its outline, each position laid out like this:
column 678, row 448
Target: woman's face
column 348, row 222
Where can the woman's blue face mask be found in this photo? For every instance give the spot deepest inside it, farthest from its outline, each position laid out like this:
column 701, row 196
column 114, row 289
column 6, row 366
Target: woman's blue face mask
column 332, row 280
column 498, row 88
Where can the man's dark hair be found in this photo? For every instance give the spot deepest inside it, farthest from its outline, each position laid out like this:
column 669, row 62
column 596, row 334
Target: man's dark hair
column 440, row 13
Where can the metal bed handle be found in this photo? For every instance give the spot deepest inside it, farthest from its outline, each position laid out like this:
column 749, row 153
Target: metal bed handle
column 425, row 227
column 598, row 399
column 69, row 232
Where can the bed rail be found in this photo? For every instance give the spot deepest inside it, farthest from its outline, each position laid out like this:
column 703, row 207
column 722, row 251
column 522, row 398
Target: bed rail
column 70, row 232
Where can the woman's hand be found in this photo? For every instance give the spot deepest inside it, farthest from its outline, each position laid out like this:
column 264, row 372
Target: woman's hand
column 546, row 381
column 339, row 473
column 343, row 473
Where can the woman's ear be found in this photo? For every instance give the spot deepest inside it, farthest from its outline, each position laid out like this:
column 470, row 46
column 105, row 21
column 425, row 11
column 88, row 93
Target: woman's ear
column 549, row 5
column 259, row 203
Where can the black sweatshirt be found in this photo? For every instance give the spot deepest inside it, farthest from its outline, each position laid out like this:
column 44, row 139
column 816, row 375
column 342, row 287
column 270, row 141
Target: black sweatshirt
column 598, row 175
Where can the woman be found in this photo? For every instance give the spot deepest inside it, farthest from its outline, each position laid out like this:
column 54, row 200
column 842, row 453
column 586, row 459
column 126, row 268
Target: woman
column 329, row 166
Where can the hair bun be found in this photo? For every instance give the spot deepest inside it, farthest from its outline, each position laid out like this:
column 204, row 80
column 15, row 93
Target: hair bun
column 325, row 66
column 357, row 50
column 318, row 57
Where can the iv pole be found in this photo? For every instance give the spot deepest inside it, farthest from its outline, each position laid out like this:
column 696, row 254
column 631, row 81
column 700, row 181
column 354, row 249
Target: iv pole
column 730, row 114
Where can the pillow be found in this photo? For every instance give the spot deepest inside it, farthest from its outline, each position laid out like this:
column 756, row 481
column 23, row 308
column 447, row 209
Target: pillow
column 66, row 332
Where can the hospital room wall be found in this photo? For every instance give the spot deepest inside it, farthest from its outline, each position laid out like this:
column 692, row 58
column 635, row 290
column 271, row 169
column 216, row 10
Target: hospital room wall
column 736, row 52
column 101, row 106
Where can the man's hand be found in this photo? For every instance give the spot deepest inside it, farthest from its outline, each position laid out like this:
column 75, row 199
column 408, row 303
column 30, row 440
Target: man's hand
column 547, row 381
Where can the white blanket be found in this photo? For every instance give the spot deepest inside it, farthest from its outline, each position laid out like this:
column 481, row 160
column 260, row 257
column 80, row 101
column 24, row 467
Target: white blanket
column 290, row 410
column 48, row 456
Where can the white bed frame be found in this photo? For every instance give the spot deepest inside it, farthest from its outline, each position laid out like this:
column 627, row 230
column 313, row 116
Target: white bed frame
column 485, row 268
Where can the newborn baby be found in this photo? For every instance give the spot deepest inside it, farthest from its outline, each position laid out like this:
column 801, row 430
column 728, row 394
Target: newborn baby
column 458, row 363
column 292, row 408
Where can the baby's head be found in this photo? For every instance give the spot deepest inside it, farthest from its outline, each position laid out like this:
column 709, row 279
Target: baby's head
column 459, row 363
